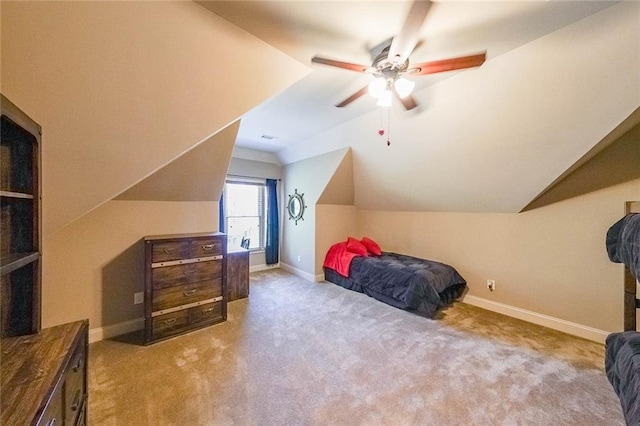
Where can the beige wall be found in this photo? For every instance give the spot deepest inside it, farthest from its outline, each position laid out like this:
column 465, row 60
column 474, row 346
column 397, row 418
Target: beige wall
column 309, row 177
column 93, row 266
column 336, row 216
column 551, row 260
column 334, row 223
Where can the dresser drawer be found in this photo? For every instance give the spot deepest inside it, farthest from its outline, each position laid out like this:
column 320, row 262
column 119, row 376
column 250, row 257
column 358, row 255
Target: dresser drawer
column 82, row 417
column 211, row 312
column 170, row 297
column 168, row 276
column 74, row 402
column 53, row 415
column 168, row 324
column 74, row 386
column 163, row 252
column 205, row 247
column 185, row 283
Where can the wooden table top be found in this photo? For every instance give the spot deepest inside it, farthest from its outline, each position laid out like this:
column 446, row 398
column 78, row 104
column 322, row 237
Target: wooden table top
column 30, row 367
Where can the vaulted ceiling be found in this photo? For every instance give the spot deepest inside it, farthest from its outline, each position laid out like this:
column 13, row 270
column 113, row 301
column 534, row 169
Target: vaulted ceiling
column 559, row 78
column 124, row 89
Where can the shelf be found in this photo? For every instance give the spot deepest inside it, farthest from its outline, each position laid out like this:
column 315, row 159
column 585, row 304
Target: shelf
column 11, row 262
column 20, row 222
column 11, row 194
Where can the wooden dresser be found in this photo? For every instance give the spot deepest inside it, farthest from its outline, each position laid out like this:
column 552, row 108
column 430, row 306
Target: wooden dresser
column 44, row 377
column 238, row 273
column 185, row 283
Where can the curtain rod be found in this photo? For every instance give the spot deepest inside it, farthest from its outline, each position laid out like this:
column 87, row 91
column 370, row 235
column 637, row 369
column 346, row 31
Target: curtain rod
column 252, row 177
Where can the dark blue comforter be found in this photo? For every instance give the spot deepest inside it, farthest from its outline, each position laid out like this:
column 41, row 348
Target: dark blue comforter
column 407, row 282
column 622, row 364
column 623, row 243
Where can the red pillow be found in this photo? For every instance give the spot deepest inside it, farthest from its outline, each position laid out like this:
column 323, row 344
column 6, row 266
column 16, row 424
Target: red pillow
column 371, row 246
column 355, row 246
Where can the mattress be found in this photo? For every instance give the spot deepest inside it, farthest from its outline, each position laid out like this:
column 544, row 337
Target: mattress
column 405, row 282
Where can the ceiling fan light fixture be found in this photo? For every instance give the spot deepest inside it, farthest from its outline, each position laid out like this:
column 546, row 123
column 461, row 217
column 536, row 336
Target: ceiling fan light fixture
column 377, row 87
column 392, row 63
column 404, row 87
column 385, row 98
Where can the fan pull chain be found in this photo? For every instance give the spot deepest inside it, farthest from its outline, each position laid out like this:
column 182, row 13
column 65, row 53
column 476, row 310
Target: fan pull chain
column 381, row 130
column 388, row 126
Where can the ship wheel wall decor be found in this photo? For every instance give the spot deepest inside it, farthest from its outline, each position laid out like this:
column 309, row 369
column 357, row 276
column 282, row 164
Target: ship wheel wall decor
column 296, row 206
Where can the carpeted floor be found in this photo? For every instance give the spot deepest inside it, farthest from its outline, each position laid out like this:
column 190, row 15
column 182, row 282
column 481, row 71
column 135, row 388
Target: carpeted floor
column 302, row 353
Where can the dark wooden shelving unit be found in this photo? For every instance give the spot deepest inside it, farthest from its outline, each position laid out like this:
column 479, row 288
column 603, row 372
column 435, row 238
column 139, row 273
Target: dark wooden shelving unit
column 43, row 372
column 20, row 225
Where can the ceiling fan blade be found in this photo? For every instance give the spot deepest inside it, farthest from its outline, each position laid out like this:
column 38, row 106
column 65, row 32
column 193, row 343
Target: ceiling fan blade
column 403, row 44
column 353, row 97
column 408, row 102
column 448, row 64
column 340, row 64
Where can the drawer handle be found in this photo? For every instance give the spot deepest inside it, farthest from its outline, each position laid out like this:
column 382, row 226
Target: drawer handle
column 206, row 311
column 76, row 367
column 52, row 422
column 189, row 292
column 208, row 247
column 76, row 401
column 169, row 321
column 166, row 251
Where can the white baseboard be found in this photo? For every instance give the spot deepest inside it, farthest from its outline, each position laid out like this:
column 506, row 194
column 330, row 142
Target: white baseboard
column 295, row 271
column 568, row 327
column 101, row 333
column 263, row 267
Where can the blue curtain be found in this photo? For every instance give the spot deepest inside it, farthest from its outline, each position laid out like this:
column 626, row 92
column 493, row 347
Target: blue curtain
column 221, row 213
column 272, row 246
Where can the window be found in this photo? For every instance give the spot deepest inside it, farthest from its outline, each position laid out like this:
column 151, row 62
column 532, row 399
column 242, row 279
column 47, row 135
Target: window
column 245, row 213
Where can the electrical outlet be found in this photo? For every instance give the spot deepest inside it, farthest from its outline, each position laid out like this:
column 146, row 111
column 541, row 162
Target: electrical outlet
column 491, row 285
column 298, row 258
column 138, row 298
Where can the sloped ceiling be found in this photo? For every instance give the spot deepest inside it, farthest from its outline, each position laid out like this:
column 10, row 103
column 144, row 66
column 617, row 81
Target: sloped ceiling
column 348, row 30
column 494, row 138
column 197, row 175
column 339, row 189
column 122, row 88
column 613, row 161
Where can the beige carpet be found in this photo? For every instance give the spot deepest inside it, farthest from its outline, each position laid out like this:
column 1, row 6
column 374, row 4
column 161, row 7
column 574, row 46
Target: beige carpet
column 301, row 353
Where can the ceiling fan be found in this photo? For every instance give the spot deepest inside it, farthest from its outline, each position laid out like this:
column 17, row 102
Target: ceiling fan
column 392, row 65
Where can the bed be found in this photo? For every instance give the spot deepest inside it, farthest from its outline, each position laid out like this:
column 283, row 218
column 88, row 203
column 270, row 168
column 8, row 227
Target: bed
column 622, row 353
column 406, row 282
